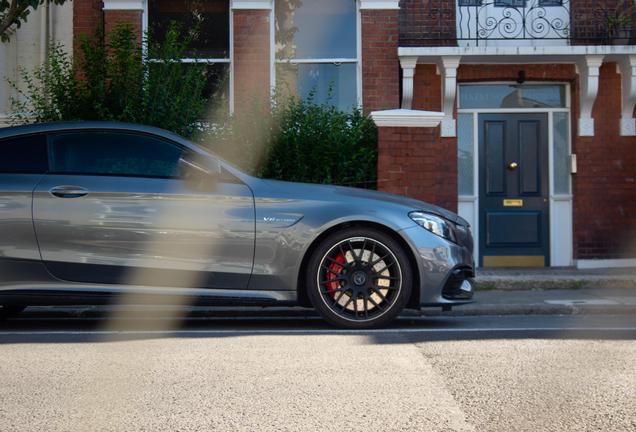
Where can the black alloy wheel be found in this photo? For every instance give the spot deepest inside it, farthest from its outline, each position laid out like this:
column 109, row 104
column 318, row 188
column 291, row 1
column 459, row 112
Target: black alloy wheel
column 359, row 278
column 7, row 311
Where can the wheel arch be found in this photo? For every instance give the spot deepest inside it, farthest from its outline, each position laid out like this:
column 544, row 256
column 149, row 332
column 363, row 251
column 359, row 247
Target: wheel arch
column 414, row 299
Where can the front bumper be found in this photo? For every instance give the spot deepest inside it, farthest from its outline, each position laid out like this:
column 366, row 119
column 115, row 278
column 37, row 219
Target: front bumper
column 446, row 270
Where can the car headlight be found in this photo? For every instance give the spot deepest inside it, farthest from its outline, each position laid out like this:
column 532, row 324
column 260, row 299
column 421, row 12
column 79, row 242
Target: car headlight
column 434, row 224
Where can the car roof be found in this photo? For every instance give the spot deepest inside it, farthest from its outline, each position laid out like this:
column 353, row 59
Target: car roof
column 86, row 125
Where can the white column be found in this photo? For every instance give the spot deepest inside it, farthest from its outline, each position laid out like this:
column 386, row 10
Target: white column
column 408, row 71
column 447, row 68
column 588, row 69
column 627, row 68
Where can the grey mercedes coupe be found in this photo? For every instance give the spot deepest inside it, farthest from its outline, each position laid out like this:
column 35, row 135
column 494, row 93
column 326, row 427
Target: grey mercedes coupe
column 93, row 211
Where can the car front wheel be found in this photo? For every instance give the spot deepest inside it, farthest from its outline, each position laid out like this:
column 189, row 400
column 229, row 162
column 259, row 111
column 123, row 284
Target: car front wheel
column 359, row 278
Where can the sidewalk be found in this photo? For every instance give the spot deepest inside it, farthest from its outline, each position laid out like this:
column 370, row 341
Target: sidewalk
column 557, row 291
column 550, row 290
column 549, row 278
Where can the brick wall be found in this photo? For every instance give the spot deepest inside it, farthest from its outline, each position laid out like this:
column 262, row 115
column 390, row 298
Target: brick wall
column 86, row 18
column 605, row 185
column 427, row 85
column 112, row 17
column 417, row 163
column 380, row 64
column 251, row 55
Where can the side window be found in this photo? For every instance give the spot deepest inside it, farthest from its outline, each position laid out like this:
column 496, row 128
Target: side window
column 24, row 155
column 113, row 153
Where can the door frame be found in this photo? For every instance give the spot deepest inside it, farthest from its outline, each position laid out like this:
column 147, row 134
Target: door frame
column 561, row 221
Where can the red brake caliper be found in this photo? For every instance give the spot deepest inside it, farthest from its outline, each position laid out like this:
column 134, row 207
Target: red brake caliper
column 330, row 275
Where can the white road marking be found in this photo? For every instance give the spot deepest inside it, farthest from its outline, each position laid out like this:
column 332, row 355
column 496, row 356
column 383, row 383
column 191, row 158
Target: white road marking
column 583, row 302
column 375, row 331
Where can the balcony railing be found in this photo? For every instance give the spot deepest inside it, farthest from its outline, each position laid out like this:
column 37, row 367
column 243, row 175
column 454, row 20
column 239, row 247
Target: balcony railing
column 497, row 22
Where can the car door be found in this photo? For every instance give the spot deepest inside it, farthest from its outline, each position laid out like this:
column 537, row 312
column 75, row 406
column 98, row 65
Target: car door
column 22, row 164
column 116, row 209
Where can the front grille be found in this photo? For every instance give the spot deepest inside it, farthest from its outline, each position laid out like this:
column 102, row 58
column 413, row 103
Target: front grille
column 459, row 278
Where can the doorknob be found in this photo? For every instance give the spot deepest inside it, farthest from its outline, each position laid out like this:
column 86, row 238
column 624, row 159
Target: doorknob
column 68, row 192
column 512, row 166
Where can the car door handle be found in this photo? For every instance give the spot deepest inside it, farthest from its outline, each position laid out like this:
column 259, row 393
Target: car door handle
column 68, row 192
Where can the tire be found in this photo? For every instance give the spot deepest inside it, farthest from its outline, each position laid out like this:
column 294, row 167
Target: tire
column 359, row 278
column 7, row 311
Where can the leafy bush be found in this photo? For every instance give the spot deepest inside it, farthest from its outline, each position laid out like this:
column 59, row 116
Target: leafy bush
column 117, row 81
column 286, row 138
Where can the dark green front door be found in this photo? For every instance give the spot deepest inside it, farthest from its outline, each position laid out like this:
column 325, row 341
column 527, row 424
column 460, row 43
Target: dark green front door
column 513, row 190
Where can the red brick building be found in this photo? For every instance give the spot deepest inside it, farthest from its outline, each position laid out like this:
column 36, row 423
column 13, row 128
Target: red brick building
column 518, row 114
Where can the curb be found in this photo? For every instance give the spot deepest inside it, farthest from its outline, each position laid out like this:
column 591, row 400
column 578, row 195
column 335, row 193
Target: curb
column 535, row 310
column 521, row 283
column 474, row 309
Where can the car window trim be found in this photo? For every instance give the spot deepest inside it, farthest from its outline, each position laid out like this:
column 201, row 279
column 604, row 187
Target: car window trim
column 48, row 153
column 226, row 175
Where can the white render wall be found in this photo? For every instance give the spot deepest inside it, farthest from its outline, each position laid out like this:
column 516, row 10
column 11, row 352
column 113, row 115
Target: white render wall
column 26, row 48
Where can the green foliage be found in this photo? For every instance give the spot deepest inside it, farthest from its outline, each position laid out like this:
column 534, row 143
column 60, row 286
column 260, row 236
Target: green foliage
column 16, row 11
column 285, row 30
column 286, row 138
column 117, row 81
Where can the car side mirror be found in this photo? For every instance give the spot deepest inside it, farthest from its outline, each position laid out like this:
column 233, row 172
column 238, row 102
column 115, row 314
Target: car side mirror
column 205, row 168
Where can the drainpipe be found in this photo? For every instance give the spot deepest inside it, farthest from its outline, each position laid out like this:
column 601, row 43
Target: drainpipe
column 44, row 32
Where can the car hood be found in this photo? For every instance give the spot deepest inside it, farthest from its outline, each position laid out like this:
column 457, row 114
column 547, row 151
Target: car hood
column 349, row 194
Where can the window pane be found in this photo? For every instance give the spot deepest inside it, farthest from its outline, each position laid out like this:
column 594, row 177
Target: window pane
column 561, row 154
column 511, row 96
column 513, row 3
column 305, row 78
column 314, row 29
column 114, row 153
column 26, row 154
column 212, row 16
column 465, row 165
column 217, row 87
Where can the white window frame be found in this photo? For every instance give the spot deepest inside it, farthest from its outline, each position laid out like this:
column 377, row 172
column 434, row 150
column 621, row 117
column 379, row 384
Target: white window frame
column 336, row 61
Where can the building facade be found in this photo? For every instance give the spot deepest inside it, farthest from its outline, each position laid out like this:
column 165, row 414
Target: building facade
column 517, row 114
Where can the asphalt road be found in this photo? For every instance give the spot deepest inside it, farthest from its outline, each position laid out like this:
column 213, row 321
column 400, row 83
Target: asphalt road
column 526, row 373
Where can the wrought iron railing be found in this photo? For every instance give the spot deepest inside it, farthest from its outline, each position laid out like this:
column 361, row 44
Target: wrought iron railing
column 473, row 22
